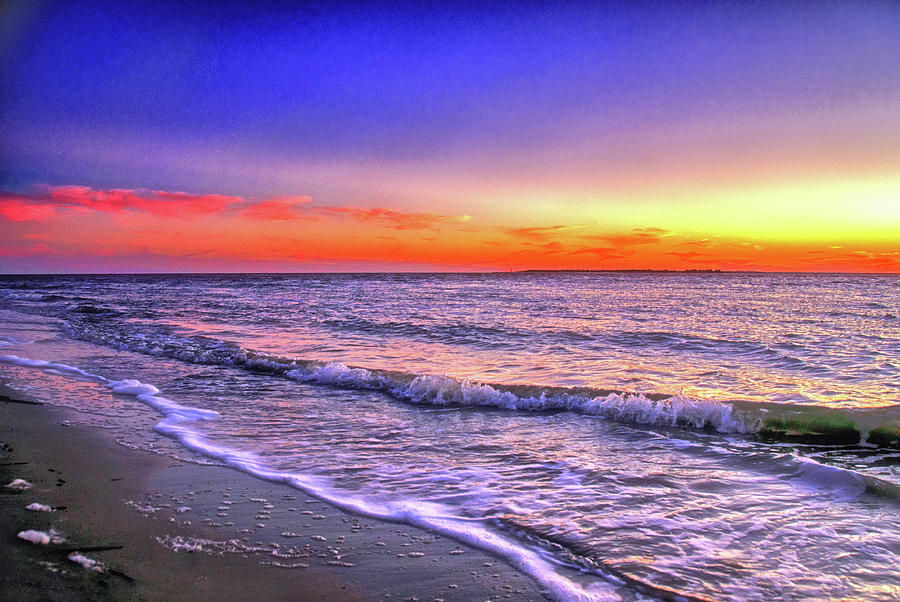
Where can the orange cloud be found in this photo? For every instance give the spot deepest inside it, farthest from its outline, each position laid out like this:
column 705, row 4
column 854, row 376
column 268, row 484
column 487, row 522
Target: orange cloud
column 605, row 252
column 883, row 261
column 535, row 232
column 278, row 208
column 691, row 256
column 390, row 218
column 638, row 236
column 552, row 247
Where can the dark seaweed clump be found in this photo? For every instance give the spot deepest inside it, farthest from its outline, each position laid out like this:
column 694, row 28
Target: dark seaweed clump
column 886, row 435
column 815, row 430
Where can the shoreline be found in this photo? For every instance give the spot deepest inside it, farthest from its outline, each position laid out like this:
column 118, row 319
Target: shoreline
column 192, row 531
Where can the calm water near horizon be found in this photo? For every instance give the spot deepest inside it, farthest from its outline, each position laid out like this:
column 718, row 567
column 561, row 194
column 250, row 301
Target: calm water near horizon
column 613, row 435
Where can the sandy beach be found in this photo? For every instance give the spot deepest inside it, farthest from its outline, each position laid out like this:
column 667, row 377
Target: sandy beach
column 164, row 529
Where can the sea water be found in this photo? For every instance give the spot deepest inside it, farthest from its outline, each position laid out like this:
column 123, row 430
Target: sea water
column 612, row 435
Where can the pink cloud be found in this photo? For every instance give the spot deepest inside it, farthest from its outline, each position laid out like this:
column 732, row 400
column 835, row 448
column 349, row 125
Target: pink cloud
column 19, row 210
column 25, row 251
column 51, row 200
column 155, row 202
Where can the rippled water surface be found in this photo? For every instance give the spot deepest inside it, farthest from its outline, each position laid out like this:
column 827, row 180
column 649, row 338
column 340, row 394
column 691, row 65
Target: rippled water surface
column 610, row 434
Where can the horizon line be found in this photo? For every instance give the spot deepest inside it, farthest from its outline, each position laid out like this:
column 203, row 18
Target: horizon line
column 457, row 272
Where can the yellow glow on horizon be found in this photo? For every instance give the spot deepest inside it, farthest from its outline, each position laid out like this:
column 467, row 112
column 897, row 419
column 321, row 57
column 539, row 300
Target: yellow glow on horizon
column 834, row 211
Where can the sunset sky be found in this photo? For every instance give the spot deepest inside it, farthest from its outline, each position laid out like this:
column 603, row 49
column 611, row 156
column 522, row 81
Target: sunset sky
column 384, row 137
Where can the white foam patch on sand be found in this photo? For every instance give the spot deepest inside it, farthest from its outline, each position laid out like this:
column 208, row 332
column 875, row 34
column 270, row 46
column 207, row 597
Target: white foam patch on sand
column 149, row 395
column 35, row 507
column 146, row 393
column 130, row 386
column 54, row 368
column 88, row 563
column 179, row 543
column 18, row 485
column 35, row 537
column 40, row 537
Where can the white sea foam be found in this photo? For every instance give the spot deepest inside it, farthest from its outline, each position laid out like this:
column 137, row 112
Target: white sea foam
column 36, row 507
column 444, row 390
column 179, row 543
column 144, row 392
column 18, row 485
column 40, row 537
column 88, row 563
column 35, row 537
column 132, row 387
column 52, row 367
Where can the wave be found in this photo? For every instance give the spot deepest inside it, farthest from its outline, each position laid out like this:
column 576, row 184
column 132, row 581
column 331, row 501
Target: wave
column 771, row 422
column 425, row 515
column 533, row 552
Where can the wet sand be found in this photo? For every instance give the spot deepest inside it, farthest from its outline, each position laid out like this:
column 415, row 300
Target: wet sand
column 188, row 531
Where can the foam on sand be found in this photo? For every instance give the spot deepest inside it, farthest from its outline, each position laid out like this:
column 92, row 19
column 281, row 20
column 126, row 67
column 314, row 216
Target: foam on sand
column 40, row 537
column 35, row 507
column 18, row 485
column 88, row 563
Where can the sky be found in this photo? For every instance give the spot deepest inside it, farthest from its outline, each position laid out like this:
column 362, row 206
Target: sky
column 282, row 137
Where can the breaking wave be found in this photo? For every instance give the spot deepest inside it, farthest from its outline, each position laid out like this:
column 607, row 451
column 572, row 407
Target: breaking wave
column 805, row 424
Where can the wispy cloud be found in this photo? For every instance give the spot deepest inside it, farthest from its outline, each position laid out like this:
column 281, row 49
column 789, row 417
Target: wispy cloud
column 53, row 201
column 692, row 256
column 887, row 261
column 50, row 201
column 279, row 209
column 637, row 236
column 535, row 232
column 21, row 210
column 605, row 252
column 303, row 208
column 392, row 219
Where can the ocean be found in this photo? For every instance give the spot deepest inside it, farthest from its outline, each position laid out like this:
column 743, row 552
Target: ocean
column 612, row 435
